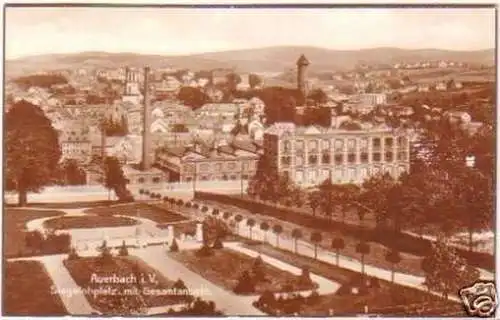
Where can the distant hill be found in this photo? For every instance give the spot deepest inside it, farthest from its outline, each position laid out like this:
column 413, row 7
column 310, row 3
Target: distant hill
column 271, row 59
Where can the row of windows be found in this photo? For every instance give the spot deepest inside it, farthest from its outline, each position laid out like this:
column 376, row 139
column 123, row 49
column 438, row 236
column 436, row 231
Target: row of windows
column 217, row 167
column 223, row 177
column 350, row 174
column 340, row 159
column 338, row 144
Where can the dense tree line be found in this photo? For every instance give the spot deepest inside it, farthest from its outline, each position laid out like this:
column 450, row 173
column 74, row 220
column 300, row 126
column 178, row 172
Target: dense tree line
column 41, row 80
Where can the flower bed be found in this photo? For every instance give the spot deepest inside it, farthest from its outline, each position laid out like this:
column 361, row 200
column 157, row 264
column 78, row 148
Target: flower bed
column 143, row 210
column 225, row 267
column 383, row 297
column 141, row 285
column 88, row 221
column 27, row 291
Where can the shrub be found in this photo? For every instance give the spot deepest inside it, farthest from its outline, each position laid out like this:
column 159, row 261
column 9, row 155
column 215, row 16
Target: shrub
column 204, row 251
column 258, row 271
column 204, row 209
column 106, row 256
column 123, row 250
column 55, row 243
column 305, row 277
column 313, row 297
column 73, row 255
column 196, row 206
column 34, row 240
column 179, row 285
column 266, row 298
column 218, row 243
column 174, row 247
column 245, row 284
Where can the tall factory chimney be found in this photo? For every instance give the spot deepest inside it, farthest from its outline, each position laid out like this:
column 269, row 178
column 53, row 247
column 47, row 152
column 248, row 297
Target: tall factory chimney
column 302, row 64
column 146, row 136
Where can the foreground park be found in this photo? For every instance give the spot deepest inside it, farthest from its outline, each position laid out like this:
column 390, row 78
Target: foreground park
column 245, row 266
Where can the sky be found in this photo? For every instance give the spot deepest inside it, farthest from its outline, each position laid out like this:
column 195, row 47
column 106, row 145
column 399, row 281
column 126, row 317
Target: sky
column 33, row 31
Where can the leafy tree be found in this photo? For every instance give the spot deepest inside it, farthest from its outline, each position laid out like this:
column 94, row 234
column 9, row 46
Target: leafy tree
column 267, row 184
column 245, row 284
column 72, row 173
column 32, row 150
column 258, row 271
column 238, row 218
column 232, row 81
column 326, row 197
column 445, row 271
column 114, row 178
column 277, row 229
column 474, row 199
column 318, row 96
column 393, row 257
column 193, row 97
column 337, row 245
column 375, row 193
column 363, row 248
column 314, row 201
column 296, row 235
column 218, row 243
column 40, row 80
column 254, row 80
column 226, row 215
column 174, row 247
column 264, row 226
column 316, row 238
column 280, row 103
column 250, row 224
column 123, row 250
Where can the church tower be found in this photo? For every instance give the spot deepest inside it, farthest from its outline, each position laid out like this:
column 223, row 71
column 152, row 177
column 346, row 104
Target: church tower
column 131, row 92
column 302, row 65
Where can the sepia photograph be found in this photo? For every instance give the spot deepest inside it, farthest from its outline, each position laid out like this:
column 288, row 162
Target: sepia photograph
column 249, row 160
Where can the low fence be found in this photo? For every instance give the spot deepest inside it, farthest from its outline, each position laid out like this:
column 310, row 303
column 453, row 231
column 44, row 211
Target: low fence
column 404, row 242
column 236, row 186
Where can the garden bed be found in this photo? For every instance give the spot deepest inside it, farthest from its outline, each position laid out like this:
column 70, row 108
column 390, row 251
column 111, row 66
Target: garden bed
column 387, row 298
column 143, row 210
column 27, row 291
column 14, row 223
column 88, row 221
column 224, row 268
column 143, row 282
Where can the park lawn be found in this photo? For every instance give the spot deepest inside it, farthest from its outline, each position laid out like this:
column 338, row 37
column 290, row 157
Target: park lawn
column 225, row 266
column 88, row 221
column 15, row 229
column 390, row 299
column 27, row 291
column 83, row 268
column 142, row 210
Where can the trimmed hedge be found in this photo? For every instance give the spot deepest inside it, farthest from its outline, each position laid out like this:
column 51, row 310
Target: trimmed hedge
column 402, row 242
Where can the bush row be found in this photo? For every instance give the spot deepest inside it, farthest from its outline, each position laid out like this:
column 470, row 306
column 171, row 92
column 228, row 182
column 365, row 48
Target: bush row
column 405, row 242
